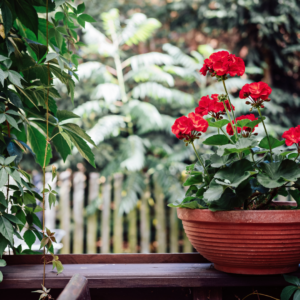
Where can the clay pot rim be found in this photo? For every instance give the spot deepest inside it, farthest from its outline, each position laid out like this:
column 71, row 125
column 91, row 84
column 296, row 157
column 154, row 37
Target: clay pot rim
column 239, row 216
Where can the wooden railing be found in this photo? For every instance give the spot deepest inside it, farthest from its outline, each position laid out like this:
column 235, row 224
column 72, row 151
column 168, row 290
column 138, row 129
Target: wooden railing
column 150, row 227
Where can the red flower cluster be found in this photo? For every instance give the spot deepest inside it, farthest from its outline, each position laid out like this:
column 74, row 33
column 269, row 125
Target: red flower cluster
column 292, row 136
column 258, row 92
column 212, row 107
column 222, row 63
column 189, row 128
column 251, row 117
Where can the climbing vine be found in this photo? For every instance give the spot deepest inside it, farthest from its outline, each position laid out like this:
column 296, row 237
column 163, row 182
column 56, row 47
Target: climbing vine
column 38, row 45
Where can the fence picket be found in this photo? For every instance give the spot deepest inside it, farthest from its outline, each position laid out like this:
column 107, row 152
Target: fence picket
column 117, row 218
column 105, row 217
column 78, row 209
column 65, row 209
column 132, row 230
column 174, row 230
column 160, row 212
column 92, row 219
column 145, row 219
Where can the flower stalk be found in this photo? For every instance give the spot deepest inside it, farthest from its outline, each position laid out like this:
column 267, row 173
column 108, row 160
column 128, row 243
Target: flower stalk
column 199, row 159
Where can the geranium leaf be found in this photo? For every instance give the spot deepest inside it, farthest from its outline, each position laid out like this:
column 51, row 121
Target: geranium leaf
column 287, row 292
column 264, row 143
column 217, row 124
column 197, row 179
column 217, row 140
column 240, row 146
column 275, row 174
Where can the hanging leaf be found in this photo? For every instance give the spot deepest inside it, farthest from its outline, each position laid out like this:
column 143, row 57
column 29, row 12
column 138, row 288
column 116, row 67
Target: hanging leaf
column 61, row 144
column 80, row 132
column 6, row 229
column 29, row 238
column 3, row 76
column 38, row 144
column 15, row 78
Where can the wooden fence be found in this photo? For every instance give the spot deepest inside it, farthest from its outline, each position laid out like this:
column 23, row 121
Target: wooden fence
column 88, row 211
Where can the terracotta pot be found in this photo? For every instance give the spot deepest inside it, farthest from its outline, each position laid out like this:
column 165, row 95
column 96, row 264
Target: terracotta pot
column 245, row 242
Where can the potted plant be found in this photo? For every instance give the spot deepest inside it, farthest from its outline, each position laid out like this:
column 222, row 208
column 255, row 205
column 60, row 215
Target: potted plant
column 228, row 213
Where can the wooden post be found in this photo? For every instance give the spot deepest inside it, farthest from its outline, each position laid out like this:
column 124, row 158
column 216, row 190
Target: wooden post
column 160, row 213
column 65, row 210
column 145, row 220
column 50, row 214
column 202, row 293
column 132, row 230
column 174, row 230
column 105, row 220
column 78, row 209
column 92, row 219
column 117, row 218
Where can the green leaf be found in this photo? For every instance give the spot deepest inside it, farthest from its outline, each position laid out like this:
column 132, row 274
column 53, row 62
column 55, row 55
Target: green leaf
column 287, row 292
column 214, row 192
column 1, row 276
column 217, row 124
column 252, row 124
column 27, row 15
column 9, row 160
column 3, row 177
column 80, row 132
column 275, row 174
column 297, row 295
column 29, row 238
column 59, row 16
column 236, row 173
column 86, row 18
column 80, row 8
column 296, row 196
column 81, row 22
column 82, row 147
column 38, row 145
column 3, row 200
column 63, row 115
column 292, row 279
column 59, row 266
column 62, row 30
column 217, row 140
column 15, row 78
column 274, row 143
column 12, row 218
column 6, row 229
column 197, row 179
column 242, row 123
column 14, row 99
column 240, row 146
column 219, row 161
column 28, row 199
column 3, row 76
column 3, row 244
column 36, row 221
column 52, row 199
column 192, row 190
column 12, row 122
column 61, row 144
column 21, row 216
column 2, row 263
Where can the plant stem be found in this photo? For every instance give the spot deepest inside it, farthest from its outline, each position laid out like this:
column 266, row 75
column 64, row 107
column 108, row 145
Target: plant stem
column 227, row 136
column 232, row 111
column 199, row 159
column 255, row 293
column 258, row 109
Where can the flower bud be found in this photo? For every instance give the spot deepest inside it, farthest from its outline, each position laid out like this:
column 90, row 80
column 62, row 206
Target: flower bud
column 222, row 97
column 248, row 102
column 262, row 106
column 267, row 100
column 255, row 133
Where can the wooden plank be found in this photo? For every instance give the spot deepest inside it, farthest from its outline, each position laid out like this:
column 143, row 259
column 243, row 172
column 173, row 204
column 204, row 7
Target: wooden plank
column 105, row 217
column 91, row 236
column 214, row 293
column 117, row 218
column 109, row 258
column 134, row 276
column 65, row 210
column 76, row 289
column 78, row 209
column 145, row 218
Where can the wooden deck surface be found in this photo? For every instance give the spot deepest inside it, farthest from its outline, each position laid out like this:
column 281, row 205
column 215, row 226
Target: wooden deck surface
column 133, row 276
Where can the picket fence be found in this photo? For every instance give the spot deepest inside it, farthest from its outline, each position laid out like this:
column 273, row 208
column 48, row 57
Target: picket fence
column 150, row 227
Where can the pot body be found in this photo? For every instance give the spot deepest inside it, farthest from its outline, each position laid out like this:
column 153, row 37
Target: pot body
column 245, row 242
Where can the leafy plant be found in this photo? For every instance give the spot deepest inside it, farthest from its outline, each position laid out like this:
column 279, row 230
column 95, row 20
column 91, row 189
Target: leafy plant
column 33, row 53
column 245, row 172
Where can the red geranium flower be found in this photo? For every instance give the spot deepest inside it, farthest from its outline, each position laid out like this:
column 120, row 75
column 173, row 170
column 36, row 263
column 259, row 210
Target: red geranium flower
column 212, row 107
column 222, row 63
column 292, row 136
column 251, row 117
column 256, row 90
column 199, row 124
column 189, row 128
